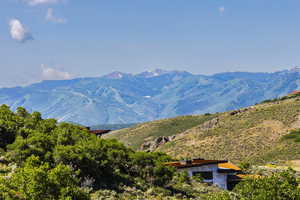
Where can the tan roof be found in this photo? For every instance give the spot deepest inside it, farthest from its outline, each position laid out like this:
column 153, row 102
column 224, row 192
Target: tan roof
column 229, row 165
column 222, row 164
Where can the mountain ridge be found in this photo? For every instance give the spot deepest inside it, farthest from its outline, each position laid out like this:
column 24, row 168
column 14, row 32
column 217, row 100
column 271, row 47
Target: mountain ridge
column 132, row 98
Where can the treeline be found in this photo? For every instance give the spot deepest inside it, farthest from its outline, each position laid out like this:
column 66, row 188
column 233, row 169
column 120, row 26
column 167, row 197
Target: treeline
column 65, row 161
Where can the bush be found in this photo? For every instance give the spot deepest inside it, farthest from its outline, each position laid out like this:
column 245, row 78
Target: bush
column 37, row 180
column 244, row 166
column 280, row 186
column 293, row 135
column 150, row 167
column 277, row 186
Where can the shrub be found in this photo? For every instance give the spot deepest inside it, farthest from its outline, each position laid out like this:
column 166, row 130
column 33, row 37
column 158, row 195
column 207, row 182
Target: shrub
column 277, row 186
column 293, row 135
column 37, row 180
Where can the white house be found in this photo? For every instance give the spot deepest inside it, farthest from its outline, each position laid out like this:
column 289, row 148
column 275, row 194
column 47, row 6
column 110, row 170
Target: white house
column 218, row 172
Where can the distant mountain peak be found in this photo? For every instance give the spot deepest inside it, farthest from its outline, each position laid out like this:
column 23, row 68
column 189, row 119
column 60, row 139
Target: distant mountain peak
column 152, row 73
column 145, row 74
column 159, row 72
column 295, row 69
column 116, row 75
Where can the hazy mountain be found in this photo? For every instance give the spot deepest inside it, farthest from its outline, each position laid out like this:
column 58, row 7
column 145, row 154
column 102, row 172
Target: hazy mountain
column 126, row 98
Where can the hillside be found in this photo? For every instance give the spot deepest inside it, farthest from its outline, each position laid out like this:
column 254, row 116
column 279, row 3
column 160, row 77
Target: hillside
column 137, row 135
column 253, row 134
column 120, row 98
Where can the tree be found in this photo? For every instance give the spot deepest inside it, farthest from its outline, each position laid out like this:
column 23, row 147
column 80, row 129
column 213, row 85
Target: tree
column 106, row 161
column 52, row 153
column 9, row 124
column 22, row 112
column 278, row 186
column 7, row 133
column 150, row 167
column 36, row 180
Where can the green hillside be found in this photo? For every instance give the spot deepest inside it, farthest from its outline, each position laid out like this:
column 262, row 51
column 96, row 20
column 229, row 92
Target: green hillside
column 254, row 134
column 137, row 135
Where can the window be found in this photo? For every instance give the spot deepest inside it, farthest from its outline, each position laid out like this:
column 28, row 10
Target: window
column 205, row 175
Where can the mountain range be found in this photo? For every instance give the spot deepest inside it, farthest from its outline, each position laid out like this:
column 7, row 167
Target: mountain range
column 119, row 97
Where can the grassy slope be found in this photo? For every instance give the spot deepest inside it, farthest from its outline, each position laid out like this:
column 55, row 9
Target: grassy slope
column 254, row 135
column 137, row 135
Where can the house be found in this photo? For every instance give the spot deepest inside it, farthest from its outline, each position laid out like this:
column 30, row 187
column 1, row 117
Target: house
column 98, row 132
column 217, row 172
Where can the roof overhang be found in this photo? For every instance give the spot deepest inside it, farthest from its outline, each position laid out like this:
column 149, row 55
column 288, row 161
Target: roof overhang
column 197, row 163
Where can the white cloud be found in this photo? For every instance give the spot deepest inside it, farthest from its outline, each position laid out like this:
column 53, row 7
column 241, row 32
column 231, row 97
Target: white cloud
column 40, row 2
column 49, row 73
column 221, row 10
column 50, row 17
column 18, row 32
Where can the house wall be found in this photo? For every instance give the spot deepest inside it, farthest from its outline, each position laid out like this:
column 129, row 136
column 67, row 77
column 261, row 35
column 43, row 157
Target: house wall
column 219, row 179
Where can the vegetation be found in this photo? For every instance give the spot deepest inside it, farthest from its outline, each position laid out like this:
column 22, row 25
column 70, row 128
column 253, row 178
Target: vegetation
column 279, row 186
column 42, row 159
column 37, row 180
column 293, row 135
column 281, row 98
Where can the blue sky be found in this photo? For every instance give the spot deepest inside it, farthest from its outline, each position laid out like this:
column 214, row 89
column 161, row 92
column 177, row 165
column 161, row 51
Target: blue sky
column 61, row 39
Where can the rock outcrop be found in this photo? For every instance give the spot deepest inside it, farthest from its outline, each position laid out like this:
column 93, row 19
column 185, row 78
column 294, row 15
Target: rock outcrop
column 209, row 124
column 152, row 145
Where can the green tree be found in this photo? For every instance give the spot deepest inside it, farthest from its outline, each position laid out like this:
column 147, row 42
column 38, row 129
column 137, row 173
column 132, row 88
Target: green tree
column 102, row 163
column 278, row 186
column 22, row 112
column 104, row 160
column 9, row 124
column 36, row 181
column 150, row 167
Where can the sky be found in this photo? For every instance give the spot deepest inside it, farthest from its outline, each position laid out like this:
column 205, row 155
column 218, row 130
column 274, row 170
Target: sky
column 64, row 39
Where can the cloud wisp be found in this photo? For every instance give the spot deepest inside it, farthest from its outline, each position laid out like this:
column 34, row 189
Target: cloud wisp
column 40, row 2
column 49, row 73
column 18, row 32
column 50, row 17
column 221, row 10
